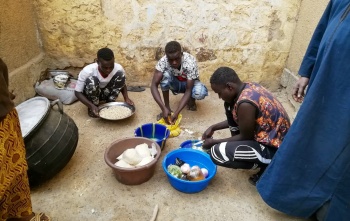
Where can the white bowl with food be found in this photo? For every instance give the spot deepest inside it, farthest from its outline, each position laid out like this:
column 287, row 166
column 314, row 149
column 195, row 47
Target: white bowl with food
column 116, row 110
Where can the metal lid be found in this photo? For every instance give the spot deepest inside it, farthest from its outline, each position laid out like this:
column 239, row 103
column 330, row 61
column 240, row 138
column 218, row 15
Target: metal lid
column 31, row 112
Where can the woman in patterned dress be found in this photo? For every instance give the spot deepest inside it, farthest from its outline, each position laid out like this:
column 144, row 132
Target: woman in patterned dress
column 15, row 201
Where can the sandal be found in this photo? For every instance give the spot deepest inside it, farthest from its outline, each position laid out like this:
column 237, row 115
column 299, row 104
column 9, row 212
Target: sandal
column 40, row 217
column 255, row 177
column 136, row 88
column 159, row 116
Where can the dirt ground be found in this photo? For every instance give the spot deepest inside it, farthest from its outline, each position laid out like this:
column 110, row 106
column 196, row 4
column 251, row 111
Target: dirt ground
column 87, row 190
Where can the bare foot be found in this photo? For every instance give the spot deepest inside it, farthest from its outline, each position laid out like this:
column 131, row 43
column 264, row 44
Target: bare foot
column 191, row 104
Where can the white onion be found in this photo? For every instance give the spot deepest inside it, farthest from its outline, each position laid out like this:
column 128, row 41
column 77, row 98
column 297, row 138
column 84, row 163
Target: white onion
column 185, row 168
column 205, row 172
column 195, row 167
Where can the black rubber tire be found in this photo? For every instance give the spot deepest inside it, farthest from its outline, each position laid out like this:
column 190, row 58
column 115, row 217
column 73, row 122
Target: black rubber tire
column 51, row 147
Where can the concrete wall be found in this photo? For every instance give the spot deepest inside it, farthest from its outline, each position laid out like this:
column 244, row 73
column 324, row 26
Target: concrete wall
column 309, row 15
column 253, row 37
column 20, row 46
column 260, row 39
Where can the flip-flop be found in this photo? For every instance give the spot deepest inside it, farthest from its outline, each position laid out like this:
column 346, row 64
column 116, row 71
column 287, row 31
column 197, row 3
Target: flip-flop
column 159, row 116
column 135, row 89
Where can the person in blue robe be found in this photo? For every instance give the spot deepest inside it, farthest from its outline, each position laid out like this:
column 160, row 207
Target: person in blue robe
column 310, row 173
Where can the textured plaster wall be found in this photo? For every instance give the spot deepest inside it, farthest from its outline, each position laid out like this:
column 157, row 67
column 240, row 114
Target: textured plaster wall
column 251, row 36
column 20, row 47
column 309, row 15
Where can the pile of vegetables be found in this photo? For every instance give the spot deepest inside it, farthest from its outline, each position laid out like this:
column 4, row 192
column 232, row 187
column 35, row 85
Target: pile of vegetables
column 184, row 171
column 136, row 157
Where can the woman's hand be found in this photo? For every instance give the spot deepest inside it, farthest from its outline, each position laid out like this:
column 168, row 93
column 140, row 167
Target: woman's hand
column 299, row 89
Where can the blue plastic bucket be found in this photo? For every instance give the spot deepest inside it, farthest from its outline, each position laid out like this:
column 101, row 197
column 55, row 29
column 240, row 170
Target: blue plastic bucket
column 157, row 132
column 192, row 157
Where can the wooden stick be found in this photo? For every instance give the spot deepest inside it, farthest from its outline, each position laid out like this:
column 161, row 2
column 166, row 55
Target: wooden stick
column 155, row 212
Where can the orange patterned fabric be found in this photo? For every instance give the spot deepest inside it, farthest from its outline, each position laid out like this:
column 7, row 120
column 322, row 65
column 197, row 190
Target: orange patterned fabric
column 15, row 199
column 272, row 120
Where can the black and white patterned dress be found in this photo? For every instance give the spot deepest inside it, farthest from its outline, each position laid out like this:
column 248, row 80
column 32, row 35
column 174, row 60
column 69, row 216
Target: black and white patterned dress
column 189, row 68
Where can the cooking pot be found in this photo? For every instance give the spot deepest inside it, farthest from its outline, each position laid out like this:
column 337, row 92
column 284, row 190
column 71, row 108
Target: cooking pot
column 50, row 137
